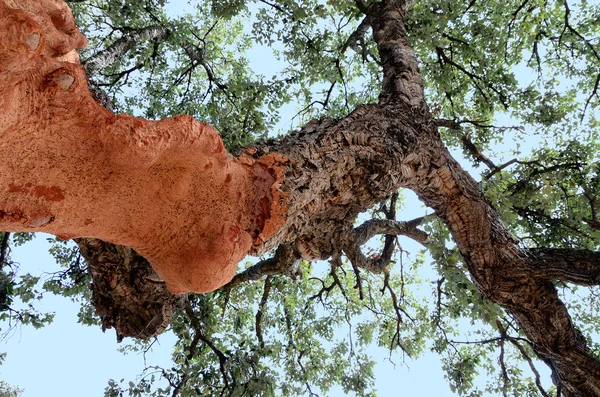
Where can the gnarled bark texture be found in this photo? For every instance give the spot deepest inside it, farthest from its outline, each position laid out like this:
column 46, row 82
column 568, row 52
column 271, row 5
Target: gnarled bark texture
column 127, row 293
column 169, row 189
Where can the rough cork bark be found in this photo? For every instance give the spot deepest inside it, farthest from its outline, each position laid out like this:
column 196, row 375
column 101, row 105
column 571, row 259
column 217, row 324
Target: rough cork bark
column 169, row 190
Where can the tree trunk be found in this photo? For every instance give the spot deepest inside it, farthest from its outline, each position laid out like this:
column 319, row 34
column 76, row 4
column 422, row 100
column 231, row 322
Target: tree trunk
column 169, row 190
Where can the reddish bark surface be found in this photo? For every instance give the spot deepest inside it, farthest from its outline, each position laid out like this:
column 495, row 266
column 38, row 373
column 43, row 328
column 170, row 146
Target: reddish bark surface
column 69, row 167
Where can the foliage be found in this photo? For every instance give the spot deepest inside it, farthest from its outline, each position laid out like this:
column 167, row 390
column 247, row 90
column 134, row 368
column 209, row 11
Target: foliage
column 25, row 289
column 495, row 73
column 9, row 391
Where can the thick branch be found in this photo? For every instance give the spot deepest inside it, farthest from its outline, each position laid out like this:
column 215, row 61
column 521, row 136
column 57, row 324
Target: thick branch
column 494, row 260
column 284, row 263
column 401, row 76
column 127, row 294
column 581, row 267
column 373, row 227
column 489, row 251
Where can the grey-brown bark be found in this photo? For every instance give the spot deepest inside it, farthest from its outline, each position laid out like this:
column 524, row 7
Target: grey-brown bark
column 580, row 267
column 340, row 168
column 127, row 293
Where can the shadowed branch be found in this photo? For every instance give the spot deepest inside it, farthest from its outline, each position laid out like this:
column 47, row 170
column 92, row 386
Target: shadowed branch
column 581, row 267
column 285, row 262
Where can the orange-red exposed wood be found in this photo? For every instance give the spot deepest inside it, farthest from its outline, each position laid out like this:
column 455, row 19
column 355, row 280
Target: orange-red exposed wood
column 69, row 167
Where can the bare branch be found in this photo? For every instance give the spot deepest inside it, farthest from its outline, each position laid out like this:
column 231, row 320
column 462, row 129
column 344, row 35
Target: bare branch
column 476, row 79
column 4, row 248
column 568, row 26
column 197, row 56
column 476, row 153
column 373, row 227
column 589, row 99
column 358, row 279
column 261, row 308
column 500, row 168
column 358, row 36
column 399, row 311
column 456, row 125
column 306, row 381
column 336, row 262
column 515, row 342
column 591, row 46
column 124, row 44
column 505, row 378
column 199, row 333
column 284, row 263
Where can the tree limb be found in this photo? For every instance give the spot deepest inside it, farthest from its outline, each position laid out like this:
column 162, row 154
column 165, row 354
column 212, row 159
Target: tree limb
column 401, row 77
column 119, row 48
column 285, row 262
column 198, row 329
column 580, row 267
column 489, row 251
column 4, row 248
column 373, row 227
column 261, row 309
column 358, row 36
column 139, row 307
